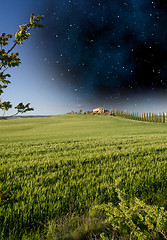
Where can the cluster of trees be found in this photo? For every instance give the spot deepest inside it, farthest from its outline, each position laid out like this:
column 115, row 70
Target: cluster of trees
column 8, row 59
column 146, row 117
column 80, row 112
column 72, row 112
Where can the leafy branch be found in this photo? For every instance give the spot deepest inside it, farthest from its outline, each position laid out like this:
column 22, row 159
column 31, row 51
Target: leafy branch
column 139, row 220
column 8, row 59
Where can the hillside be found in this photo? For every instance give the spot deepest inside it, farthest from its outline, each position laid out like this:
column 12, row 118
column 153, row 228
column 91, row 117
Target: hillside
column 55, row 170
column 75, row 126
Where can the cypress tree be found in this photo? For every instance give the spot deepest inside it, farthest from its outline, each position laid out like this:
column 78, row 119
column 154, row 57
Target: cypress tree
column 150, row 117
column 156, row 118
column 133, row 116
column 140, row 118
column 160, row 118
column 147, row 117
column 163, row 117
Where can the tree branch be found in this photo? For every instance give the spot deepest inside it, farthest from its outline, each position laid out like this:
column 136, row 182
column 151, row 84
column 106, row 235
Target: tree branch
column 5, row 69
column 14, row 45
column 13, row 115
column 113, row 235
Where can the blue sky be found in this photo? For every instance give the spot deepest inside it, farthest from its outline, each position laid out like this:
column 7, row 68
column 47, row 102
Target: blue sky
column 82, row 58
column 28, row 81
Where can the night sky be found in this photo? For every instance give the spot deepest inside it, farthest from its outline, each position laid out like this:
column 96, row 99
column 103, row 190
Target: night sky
column 110, row 53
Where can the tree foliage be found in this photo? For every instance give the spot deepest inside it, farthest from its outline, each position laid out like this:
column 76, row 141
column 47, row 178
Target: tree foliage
column 8, row 59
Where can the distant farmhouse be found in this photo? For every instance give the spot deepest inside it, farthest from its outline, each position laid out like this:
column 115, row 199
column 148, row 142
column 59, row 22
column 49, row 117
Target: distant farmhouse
column 99, row 110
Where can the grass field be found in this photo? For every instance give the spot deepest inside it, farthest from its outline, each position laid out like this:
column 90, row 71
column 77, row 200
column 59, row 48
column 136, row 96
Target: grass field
column 54, row 170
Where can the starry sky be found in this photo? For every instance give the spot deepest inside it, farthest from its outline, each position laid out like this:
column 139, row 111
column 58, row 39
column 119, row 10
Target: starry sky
column 90, row 53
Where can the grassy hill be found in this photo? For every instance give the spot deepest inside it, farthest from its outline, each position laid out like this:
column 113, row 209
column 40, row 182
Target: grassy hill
column 74, row 126
column 57, row 168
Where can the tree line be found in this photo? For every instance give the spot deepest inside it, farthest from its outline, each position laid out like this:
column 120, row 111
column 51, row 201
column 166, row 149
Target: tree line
column 145, row 117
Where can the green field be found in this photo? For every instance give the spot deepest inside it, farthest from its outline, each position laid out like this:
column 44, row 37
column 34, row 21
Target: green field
column 54, row 170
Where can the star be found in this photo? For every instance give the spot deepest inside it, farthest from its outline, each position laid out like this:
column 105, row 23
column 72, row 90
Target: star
column 108, row 48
